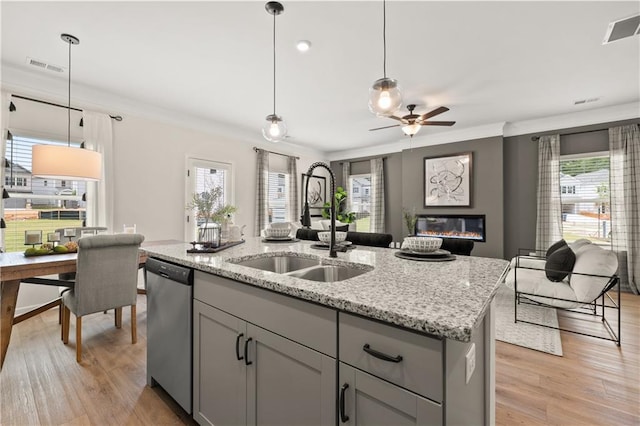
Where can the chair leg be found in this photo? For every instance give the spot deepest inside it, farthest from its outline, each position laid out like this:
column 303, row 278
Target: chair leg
column 66, row 317
column 134, row 328
column 60, row 312
column 118, row 317
column 78, row 339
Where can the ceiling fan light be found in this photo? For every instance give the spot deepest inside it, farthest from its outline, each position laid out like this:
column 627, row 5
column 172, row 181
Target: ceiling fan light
column 274, row 129
column 411, row 129
column 385, row 97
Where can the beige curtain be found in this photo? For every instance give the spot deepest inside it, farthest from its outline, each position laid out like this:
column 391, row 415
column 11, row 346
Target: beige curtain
column 293, row 211
column 376, row 222
column 97, row 132
column 262, row 191
column 549, row 212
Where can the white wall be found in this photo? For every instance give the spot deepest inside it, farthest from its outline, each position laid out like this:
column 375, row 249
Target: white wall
column 149, row 170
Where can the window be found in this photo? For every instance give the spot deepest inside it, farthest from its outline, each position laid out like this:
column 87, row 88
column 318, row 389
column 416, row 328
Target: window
column 278, row 196
column 584, row 191
column 33, row 203
column 359, row 194
column 202, row 176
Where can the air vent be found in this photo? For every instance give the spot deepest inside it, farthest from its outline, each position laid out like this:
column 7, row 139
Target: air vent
column 585, row 101
column 622, row 28
column 45, row 66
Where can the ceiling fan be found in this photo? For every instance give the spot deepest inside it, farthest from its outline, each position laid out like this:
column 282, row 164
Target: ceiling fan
column 411, row 123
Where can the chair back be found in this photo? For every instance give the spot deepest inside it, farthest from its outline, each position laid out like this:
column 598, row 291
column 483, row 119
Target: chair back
column 79, row 231
column 106, row 272
column 371, row 239
column 457, row 246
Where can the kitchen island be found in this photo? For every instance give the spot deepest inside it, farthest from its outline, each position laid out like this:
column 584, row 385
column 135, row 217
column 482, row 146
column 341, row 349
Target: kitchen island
column 402, row 338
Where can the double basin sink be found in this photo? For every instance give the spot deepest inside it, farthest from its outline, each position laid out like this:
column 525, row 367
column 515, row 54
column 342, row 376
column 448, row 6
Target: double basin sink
column 304, row 267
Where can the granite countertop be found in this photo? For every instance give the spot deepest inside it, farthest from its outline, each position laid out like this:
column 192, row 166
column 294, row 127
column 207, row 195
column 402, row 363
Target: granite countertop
column 444, row 299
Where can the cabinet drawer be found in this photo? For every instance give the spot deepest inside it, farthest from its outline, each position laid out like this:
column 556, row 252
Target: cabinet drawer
column 309, row 324
column 421, row 365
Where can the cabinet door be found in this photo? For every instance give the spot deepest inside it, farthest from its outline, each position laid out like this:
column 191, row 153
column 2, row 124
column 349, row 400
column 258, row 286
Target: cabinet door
column 366, row 400
column 219, row 378
column 288, row 384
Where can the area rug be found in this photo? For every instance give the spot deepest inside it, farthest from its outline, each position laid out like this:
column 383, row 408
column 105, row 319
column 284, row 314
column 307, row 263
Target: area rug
column 527, row 335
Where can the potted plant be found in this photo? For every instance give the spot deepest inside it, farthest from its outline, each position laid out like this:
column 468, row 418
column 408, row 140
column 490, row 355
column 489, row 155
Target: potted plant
column 208, row 207
column 342, row 215
column 410, row 220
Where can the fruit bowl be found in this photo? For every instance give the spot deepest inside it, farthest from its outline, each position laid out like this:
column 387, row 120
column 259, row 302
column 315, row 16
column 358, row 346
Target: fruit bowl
column 325, row 236
column 277, row 232
column 421, row 244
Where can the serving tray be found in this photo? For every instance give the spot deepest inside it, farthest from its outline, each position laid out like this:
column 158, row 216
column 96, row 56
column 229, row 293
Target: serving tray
column 420, row 257
column 221, row 247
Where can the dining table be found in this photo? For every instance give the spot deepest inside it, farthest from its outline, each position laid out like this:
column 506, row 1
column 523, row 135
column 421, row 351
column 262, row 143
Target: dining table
column 16, row 268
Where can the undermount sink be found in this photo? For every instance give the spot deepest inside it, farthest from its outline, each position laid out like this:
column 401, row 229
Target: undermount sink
column 303, row 267
column 328, row 273
column 280, row 264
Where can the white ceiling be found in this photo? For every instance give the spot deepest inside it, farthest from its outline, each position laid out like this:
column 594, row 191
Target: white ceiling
column 489, row 62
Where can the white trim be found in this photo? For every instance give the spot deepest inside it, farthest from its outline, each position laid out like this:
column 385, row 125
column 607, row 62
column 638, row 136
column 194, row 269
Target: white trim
column 584, row 155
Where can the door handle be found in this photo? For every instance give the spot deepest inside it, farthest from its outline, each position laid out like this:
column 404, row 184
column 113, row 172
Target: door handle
column 246, row 352
column 381, row 355
column 238, row 356
column 343, row 416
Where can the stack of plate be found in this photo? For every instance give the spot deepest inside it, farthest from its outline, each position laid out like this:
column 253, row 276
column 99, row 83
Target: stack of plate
column 278, row 239
column 438, row 255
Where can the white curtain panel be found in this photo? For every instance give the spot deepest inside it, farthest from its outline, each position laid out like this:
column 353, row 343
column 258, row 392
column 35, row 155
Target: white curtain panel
column 293, row 211
column 549, row 211
column 262, row 191
column 4, row 126
column 346, row 172
column 624, row 151
column 98, row 136
column 376, row 223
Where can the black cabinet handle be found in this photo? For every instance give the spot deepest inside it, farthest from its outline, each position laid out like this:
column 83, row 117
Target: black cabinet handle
column 343, row 416
column 380, row 355
column 246, row 352
column 238, row 356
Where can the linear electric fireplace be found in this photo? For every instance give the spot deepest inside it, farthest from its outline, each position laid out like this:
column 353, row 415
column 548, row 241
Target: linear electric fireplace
column 462, row 226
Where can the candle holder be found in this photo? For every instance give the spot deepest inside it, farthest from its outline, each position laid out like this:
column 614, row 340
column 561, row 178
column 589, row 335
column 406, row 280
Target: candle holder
column 32, row 238
column 54, row 238
column 69, row 233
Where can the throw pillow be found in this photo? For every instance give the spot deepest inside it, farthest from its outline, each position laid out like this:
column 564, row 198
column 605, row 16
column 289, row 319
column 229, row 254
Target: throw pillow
column 555, row 246
column 560, row 263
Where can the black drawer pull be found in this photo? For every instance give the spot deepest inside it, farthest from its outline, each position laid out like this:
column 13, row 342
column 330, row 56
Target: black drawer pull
column 246, row 352
column 380, row 355
column 343, row 416
column 238, row 356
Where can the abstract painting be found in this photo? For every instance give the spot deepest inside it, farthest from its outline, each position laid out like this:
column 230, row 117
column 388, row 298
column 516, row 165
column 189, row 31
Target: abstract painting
column 447, row 180
column 317, row 194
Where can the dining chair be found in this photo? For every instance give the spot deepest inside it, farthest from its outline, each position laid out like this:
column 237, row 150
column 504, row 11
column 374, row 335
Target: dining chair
column 106, row 278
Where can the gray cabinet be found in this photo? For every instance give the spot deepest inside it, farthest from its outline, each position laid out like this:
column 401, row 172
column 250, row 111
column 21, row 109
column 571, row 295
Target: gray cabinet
column 246, row 374
column 366, row 400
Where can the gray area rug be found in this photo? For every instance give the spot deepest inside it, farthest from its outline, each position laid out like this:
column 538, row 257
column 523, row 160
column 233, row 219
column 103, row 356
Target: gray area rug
column 526, row 335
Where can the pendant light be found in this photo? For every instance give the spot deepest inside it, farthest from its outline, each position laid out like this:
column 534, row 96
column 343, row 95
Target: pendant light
column 384, row 96
column 275, row 129
column 66, row 162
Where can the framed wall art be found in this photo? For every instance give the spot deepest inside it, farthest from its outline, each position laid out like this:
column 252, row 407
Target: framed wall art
column 447, row 180
column 317, row 194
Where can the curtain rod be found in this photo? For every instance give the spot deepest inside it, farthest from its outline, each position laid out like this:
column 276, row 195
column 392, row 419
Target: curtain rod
column 536, row 138
column 255, row 148
column 115, row 117
column 363, row 161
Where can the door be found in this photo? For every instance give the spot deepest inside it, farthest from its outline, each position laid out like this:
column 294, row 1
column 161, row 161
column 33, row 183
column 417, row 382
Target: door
column 288, row 384
column 366, row 400
column 219, row 373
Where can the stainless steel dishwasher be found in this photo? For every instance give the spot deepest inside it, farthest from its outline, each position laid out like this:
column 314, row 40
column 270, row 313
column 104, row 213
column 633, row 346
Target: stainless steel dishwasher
column 169, row 329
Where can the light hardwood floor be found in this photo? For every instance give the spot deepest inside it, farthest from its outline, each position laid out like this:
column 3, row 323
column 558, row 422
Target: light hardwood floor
column 594, row 383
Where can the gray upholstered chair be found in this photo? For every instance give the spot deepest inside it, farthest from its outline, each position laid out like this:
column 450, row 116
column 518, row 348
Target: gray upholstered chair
column 106, row 278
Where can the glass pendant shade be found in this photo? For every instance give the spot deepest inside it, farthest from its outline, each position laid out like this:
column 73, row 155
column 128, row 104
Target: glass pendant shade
column 275, row 129
column 385, row 97
column 64, row 162
column 411, row 129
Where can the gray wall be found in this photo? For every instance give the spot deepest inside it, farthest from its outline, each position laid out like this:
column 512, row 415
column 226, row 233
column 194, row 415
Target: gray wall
column 521, row 177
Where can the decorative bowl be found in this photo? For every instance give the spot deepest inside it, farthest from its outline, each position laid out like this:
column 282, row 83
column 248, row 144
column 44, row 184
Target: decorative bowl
column 280, row 225
column 277, row 232
column 422, row 244
column 325, row 236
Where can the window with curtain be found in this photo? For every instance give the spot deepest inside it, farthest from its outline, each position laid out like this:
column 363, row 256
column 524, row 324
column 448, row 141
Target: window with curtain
column 278, row 197
column 202, row 176
column 359, row 191
column 37, row 204
column 584, row 193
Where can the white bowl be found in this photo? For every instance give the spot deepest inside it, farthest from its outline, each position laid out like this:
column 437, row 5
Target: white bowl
column 280, row 225
column 277, row 232
column 325, row 236
column 422, row 244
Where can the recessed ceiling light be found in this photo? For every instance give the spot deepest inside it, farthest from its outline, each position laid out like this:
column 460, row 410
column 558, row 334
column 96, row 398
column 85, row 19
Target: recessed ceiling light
column 303, row 45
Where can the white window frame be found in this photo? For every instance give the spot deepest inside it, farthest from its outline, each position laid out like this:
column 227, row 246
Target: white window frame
column 191, row 164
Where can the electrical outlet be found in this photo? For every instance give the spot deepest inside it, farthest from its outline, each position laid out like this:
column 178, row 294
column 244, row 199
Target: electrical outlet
column 470, row 362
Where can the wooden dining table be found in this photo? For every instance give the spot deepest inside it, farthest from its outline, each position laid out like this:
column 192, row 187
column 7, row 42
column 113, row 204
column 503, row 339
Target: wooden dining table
column 16, row 268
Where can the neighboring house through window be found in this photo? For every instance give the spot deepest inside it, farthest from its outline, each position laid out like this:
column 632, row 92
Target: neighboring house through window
column 359, row 191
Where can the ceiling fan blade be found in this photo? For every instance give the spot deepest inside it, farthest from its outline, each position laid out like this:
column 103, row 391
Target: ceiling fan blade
column 402, row 120
column 437, row 123
column 433, row 113
column 385, row 127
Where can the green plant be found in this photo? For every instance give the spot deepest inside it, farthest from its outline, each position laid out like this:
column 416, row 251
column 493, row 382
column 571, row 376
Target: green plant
column 342, row 214
column 410, row 220
column 208, row 206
